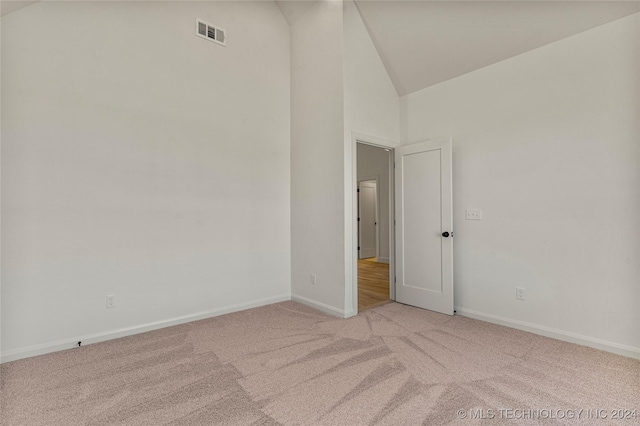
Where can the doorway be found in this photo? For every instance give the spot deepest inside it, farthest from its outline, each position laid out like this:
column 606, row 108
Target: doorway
column 374, row 212
column 420, row 221
column 368, row 239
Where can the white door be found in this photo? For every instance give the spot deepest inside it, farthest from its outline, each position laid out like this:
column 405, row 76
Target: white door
column 367, row 219
column 424, row 243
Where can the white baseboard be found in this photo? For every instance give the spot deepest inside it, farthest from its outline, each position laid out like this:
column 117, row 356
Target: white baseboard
column 616, row 348
column 60, row 345
column 329, row 310
column 383, row 260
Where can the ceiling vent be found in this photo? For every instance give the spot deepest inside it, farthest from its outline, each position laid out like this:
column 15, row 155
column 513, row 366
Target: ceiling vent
column 210, row 32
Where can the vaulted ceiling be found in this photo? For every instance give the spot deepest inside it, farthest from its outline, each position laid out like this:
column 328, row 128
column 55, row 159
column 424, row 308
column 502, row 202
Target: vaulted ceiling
column 422, row 43
column 425, row 42
column 8, row 6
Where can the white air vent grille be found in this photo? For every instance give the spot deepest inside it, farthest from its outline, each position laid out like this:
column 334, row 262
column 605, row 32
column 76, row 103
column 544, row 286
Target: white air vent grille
column 210, row 32
column 220, row 35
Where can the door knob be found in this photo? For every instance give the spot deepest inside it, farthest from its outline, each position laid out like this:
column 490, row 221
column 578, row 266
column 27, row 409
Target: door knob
column 445, row 234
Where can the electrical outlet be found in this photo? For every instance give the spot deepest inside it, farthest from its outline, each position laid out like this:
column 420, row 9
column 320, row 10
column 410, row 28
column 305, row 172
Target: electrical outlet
column 313, row 279
column 520, row 294
column 111, row 301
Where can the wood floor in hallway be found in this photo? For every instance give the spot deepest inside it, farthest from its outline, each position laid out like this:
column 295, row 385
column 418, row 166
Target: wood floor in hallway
column 373, row 283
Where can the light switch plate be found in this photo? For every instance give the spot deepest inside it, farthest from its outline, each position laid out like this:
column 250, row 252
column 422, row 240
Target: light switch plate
column 474, row 214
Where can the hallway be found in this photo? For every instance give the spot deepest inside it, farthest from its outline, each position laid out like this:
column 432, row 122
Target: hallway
column 373, row 283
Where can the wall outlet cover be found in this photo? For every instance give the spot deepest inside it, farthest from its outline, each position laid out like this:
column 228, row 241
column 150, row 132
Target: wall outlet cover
column 111, row 301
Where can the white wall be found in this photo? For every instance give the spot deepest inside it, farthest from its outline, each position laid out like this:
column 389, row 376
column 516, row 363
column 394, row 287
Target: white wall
column 371, row 113
column 547, row 145
column 317, row 174
column 371, row 103
column 374, row 162
column 142, row 161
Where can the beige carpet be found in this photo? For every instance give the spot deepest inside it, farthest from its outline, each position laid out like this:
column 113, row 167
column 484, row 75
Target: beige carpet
column 289, row 364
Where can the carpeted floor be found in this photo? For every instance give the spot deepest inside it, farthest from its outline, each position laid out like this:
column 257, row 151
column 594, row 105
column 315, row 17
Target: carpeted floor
column 289, row 364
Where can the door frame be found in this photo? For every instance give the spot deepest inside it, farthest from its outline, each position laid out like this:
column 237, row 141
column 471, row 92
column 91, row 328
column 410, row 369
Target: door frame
column 375, row 178
column 352, row 187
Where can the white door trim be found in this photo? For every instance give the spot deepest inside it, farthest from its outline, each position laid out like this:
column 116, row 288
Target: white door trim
column 351, row 277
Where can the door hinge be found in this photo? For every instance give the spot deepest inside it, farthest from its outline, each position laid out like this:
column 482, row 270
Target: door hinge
column 358, row 248
column 358, row 219
column 395, row 280
column 358, row 190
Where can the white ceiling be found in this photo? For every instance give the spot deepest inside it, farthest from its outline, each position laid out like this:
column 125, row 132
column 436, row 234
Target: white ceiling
column 8, row 6
column 422, row 43
column 293, row 9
